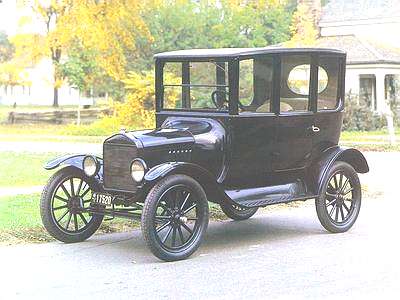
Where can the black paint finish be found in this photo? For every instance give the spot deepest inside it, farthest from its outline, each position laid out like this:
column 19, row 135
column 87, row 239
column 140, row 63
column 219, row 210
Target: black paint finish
column 251, row 159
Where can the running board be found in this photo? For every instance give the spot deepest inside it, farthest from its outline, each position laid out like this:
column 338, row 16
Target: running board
column 263, row 196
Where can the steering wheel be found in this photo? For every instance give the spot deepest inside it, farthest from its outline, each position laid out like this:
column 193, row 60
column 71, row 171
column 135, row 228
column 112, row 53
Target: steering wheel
column 219, row 102
column 241, row 106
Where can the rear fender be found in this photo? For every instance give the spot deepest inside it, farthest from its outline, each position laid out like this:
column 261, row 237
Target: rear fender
column 206, row 179
column 319, row 169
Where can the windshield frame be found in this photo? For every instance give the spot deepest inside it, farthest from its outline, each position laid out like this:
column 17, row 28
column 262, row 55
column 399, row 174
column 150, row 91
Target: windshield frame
column 231, row 84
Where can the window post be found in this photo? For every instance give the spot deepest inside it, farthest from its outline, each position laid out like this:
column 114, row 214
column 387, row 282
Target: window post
column 159, row 85
column 185, row 85
column 233, row 86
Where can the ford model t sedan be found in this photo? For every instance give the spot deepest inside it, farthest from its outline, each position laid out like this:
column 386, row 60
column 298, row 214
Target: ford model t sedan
column 242, row 128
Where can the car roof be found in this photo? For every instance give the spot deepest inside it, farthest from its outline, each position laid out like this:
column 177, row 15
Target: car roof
column 240, row 52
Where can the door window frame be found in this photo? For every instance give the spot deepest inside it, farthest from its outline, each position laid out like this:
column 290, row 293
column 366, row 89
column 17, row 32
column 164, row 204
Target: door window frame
column 340, row 95
column 312, row 89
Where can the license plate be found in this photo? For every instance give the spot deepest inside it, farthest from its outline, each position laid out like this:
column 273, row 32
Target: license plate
column 102, row 199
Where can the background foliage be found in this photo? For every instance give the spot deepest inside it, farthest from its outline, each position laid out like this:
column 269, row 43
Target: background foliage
column 108, row 46
column 359, row 117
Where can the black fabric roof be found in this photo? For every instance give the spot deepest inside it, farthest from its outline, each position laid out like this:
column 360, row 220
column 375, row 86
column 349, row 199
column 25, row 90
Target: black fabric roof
column 238, row 52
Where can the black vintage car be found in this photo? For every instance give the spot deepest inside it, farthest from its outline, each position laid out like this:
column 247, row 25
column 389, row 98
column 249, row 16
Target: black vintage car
column 243, row 128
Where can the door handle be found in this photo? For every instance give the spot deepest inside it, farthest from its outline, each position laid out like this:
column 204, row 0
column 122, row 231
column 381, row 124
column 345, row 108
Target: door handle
column 315, row 128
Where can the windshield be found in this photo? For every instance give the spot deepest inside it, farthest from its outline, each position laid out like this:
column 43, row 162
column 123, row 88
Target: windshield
column 196, row 85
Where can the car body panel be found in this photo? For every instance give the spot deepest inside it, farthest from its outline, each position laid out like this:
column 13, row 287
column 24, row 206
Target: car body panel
column 269, row 157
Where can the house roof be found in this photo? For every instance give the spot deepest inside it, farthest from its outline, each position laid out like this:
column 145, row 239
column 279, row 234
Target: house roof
column 361, row 51
column 238, row 52
column 345, row 10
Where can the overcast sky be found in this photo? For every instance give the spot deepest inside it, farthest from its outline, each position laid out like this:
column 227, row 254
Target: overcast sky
column 8, row 16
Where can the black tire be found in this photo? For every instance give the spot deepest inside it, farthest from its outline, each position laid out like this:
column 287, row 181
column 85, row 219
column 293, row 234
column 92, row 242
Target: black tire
column 236, row 212
column 176, row 204
column 83, row 224
column 340, row 201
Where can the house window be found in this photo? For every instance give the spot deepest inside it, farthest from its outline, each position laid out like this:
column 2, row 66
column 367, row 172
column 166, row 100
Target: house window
column 368, row 90
column 392, row 88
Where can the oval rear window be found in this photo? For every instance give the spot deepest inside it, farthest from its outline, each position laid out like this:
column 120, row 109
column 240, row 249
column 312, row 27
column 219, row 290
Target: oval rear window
column 299, row 79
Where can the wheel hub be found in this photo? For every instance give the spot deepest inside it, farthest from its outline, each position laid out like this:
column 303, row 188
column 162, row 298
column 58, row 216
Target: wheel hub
column 340, row 198
column 178, row 218
column 74, row 204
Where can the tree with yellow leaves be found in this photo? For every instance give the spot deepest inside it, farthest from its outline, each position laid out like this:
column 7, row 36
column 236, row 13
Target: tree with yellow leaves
column 11, row 72
column 304, row 30
column 106, row 28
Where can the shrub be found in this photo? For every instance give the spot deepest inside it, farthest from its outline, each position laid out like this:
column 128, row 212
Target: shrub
column 105, row 126
column 359, row 117
column 138, row 110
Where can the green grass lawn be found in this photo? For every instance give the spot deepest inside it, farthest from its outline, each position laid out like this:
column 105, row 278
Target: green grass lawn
column 20, row 220
column 48, row 133
column 367, row 136
column 23, row 169
column 19, row 212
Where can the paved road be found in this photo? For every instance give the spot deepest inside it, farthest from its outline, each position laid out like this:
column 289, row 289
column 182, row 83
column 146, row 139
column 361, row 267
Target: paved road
column 282, row 255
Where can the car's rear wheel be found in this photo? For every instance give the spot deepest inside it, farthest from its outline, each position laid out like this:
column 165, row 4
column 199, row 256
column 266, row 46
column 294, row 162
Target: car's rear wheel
column 236, row 212
column 339, row 203
column 62, row 206
column 175, row 217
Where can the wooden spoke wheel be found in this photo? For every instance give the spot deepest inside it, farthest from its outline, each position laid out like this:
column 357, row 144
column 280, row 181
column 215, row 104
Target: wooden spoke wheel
column 63, row 206
column 174, row 218
column 340, row 202
column 237, row 212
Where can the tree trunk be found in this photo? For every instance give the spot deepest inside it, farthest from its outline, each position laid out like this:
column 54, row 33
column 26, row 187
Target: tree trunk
column 55, row 97
column 56, row 56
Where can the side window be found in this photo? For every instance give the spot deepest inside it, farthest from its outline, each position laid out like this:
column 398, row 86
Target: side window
column 255, row 85
column 196, row 85
column 328, row 83
column 295, row 83
column 172, row 85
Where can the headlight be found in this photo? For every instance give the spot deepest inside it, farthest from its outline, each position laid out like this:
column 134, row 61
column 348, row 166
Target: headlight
column 90, row 166
column 138, row 168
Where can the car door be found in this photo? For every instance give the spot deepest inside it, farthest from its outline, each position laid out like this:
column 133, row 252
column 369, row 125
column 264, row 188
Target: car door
column 295, row 125
column 294, row 141
column 252, row 144
column 253, row 130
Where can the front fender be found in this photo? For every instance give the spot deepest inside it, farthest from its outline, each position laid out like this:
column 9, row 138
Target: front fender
column 74, row 160
column 204, row 177
column 319, row 169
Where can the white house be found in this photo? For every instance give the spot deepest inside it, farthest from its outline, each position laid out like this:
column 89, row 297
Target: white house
column 38, row 79
column 368, row 30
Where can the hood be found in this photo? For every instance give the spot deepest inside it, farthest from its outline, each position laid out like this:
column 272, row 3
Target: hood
column 168, row 137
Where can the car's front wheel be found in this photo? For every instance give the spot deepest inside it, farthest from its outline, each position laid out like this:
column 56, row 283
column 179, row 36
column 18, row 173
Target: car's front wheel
column 236, row 212
column 63, row 203
column 175, row 217
column 340, row 201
